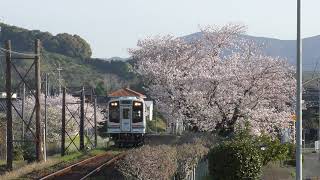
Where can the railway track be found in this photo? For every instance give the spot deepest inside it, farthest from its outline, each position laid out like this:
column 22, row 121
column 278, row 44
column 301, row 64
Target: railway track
column 84, row 169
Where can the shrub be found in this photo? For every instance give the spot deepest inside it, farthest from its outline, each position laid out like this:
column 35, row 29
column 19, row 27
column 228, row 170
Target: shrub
column 273, row 149
column 18, row 153
column 149, row 162
column 269, row 148
column 188, row 156
column 204, row 138
column 29, row 152
column 235, row 160
column 291, row 156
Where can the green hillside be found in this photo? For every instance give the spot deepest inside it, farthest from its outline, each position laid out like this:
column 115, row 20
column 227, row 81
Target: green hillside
column 74, row 56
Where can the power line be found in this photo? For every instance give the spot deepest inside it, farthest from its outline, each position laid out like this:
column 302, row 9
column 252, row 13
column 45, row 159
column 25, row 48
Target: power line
column 18, row 53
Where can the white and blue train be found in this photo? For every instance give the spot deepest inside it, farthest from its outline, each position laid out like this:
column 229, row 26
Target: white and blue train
column 127, row 120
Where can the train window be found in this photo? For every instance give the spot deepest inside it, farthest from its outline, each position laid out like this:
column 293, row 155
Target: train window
column 126, row 102
column 137, row 112
column 125, row 113
column 114, row 112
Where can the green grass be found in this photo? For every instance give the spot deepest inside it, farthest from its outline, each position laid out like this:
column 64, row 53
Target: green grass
column 156, row 125
column 72, row 147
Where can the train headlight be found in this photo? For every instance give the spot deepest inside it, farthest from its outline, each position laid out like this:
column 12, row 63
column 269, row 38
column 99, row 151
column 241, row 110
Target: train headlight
column 137, row 104
column 114, row 104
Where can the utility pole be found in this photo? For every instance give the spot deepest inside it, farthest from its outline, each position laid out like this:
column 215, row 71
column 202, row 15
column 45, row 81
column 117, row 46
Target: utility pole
column 59, row 77
column 95, row 122
column 94, row 101
column 299, row 96
column 63, row 122
column 45, row 118
column 39, row 154
column 9, row 106
column 23, row 109
column 81, row 133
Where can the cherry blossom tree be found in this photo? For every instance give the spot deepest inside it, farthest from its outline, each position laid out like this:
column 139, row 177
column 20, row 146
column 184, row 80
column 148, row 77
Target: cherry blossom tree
column 54, row 115
column 217, row 82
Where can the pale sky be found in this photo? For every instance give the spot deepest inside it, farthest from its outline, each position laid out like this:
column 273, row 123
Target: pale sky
column 111, row 27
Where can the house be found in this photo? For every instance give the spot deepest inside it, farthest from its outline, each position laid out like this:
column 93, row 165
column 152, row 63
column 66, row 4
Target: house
column 126, row 92
column 3, row 103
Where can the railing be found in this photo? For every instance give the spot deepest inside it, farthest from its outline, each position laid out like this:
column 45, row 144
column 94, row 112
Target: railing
column 199, row 172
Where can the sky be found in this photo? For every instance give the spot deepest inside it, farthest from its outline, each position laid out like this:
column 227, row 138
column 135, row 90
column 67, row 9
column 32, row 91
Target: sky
column 111, row 27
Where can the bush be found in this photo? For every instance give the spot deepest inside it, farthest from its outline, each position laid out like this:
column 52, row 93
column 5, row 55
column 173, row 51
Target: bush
column 204, row 138
column 235, row 160
column 188, row 156
column 156, row 125
column 149, row 162
column 29, row 152
column 291, row 156
column 18, row 153
column 273, row 149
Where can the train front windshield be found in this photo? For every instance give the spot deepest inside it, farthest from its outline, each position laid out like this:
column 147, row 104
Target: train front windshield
column 114, row 112
column 137, row 112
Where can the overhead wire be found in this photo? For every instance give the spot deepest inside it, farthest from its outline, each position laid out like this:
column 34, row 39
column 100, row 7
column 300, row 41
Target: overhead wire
column 17, row 53
column 57, row 78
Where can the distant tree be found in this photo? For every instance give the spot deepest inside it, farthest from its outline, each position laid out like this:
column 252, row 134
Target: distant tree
column 100, row 90
column 217, row 81
column 54, row 106
column 66, row 44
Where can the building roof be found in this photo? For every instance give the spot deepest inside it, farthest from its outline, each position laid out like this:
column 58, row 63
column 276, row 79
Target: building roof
column 126, row 92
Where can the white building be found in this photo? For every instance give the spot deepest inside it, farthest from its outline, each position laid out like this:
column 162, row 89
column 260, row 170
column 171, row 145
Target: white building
column 149, row 110
column 3, row 95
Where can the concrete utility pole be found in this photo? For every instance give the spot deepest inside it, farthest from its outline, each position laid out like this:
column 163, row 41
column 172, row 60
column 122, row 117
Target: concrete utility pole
column 45, row 118
column 299, row 96
column 81, row 133
column 23, row 109
column 95, row 122
column 59, row 77
column 63, row 122
column 39, row 153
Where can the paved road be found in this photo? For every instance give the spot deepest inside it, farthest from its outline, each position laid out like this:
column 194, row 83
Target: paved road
column 311, row 165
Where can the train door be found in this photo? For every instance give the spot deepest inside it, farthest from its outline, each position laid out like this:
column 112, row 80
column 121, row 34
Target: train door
column 125, row 119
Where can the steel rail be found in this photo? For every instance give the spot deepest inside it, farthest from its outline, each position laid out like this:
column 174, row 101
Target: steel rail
column 69, row 168
column 112, row 160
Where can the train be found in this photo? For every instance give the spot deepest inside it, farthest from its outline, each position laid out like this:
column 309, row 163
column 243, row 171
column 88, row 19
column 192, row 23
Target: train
column 126, row 122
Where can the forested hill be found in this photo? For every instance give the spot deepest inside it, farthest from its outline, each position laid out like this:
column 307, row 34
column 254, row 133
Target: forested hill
column 74, row 56
column 65, row 44
column 284, row 48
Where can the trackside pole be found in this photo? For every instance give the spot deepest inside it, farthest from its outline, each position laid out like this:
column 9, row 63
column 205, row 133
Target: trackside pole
column 63, row 123
column 9, row 107
column 299, row 96
column 82, row 99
